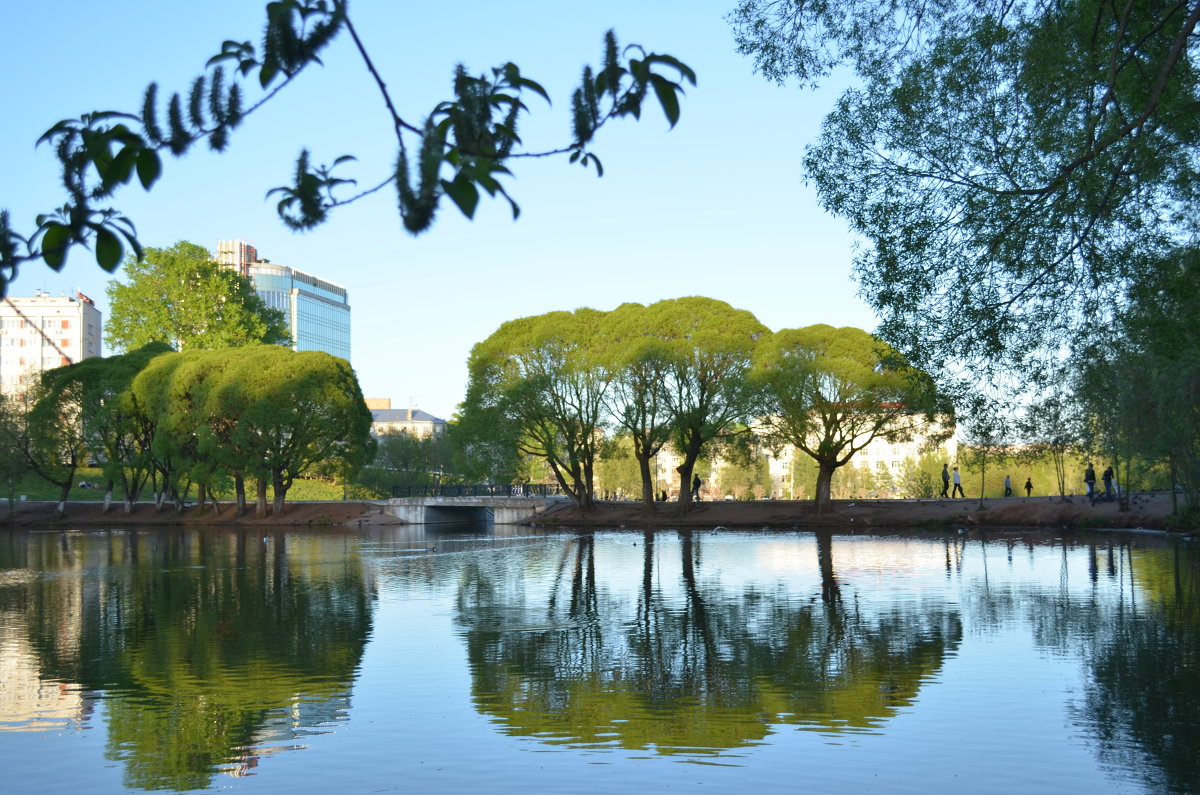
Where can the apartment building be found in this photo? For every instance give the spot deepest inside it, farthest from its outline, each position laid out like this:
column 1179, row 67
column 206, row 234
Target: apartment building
column 41, row 332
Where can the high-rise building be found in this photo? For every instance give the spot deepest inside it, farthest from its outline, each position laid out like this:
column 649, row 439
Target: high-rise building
column 317, row 310
column 42, row 332
column 238, row 254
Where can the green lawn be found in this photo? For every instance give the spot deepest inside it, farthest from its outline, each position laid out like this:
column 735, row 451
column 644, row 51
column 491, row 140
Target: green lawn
column 37, row 489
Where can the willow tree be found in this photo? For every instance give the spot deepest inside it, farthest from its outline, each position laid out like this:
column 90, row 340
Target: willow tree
column 119, row 430
column 546, row 378
column 296, row 409
column 831, row 391
column 164, row 391
column 53, row 439
column 1014, row 165
column 709, row 346
column 640, row 362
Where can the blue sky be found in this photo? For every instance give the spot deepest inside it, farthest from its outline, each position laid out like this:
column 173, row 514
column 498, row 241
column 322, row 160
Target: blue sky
column 715, row 207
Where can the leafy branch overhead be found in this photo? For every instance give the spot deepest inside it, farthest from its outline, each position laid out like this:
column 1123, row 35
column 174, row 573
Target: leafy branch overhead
column 462, row 149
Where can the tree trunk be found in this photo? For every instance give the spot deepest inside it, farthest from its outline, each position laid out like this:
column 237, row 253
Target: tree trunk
column 686, row 470
column 280, row 492
column 825, row 470
column 201, row 497
column 65, row 492
column 648, row 494
column 239, row 487
column 260, row 498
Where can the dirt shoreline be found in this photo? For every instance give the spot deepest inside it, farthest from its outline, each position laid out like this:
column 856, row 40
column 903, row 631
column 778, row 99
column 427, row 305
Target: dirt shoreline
column 1148, row 511
column 91, row 514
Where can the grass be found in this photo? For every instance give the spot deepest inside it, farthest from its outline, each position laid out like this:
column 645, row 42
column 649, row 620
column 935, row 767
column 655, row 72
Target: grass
column 34, row 488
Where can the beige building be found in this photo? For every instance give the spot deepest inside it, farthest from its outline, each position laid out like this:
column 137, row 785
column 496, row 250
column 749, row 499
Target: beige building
column 43, row 332
column 385, row 419
column 879, row 454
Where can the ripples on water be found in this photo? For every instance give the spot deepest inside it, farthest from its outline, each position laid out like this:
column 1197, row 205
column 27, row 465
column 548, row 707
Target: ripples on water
column 453, row 659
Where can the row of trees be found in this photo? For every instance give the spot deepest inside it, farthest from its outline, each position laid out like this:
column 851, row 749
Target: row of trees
column 213, row 419
column 693, row 373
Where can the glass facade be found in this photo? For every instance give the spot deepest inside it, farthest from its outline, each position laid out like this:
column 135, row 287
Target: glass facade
column 318, row 311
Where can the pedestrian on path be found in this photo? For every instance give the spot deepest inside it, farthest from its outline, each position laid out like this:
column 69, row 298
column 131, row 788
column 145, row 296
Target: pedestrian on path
column 1028, row 487
column 945, row 480
column 958, row 489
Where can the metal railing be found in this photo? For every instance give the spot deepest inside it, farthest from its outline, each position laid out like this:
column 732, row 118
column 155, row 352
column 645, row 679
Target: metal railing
column 480, row 490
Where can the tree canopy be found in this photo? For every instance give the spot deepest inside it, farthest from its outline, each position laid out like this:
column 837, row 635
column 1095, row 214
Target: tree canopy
column 462, row 148
column 181, row 296
column 831, row 391
column 1015, row 167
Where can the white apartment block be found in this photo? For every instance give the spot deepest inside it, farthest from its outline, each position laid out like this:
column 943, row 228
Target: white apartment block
column 43, row 332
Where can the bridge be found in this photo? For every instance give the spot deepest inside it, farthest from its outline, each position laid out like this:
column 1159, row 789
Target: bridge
column 440, row 510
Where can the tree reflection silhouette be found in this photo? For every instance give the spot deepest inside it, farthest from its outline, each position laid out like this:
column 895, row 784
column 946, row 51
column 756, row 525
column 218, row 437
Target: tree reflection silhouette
column 207, row 644
column 709, row 671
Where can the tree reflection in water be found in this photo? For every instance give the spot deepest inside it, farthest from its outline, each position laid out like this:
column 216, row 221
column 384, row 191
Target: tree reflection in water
column 700, row 671
column 211, row 647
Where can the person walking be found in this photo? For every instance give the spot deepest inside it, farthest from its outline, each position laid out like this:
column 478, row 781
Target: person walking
column 1108, row 481
column 1028, row 487
column 1007, row 486
column 945, row 480
column 696, row 482
column 1089, row 479
column 958, row 489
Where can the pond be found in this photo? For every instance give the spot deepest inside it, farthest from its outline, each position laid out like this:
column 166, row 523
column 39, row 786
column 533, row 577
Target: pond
column 508, row 659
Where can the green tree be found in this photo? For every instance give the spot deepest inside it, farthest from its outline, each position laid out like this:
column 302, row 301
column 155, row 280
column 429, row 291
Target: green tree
column 119, row 431
column 830, row 392
column 52, row 438
column 1051, row 427
column 1141, row 391
column 1014, row 166
column 297, row 409
column 463, row 147
column 745, row 477
column 181, row 296
column 618, row 470
column 710, row 347
column 13, row 464
column 641, row 362
column 545, row 378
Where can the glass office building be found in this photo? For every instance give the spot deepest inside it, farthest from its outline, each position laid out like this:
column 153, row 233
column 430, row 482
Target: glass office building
column 318, row 311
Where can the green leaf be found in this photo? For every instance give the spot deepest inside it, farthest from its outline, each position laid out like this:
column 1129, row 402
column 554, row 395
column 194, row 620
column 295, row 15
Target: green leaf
column 54, row 245
column 108, row 249
column 149, row 167
column 665, row 90
column 464, row 194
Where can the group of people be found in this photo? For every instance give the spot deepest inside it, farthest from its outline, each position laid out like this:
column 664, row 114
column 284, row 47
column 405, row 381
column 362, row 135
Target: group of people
column 956, row 477
column 1109, row 477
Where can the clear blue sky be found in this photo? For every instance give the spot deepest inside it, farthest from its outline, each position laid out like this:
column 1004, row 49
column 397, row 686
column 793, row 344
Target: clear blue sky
column 715, row 207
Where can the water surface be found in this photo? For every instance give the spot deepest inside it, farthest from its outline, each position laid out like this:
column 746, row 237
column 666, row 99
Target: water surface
column 418, row 659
